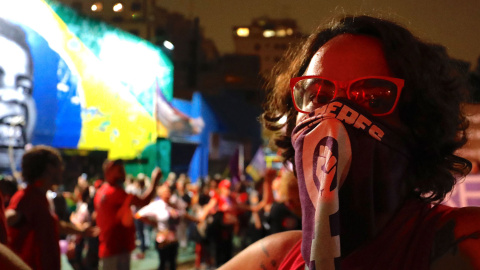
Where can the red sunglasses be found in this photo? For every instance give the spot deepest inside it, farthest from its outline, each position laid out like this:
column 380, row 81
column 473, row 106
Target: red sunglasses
column 377, row 94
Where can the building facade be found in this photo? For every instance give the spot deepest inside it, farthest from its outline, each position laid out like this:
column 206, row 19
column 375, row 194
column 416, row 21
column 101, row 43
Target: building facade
column 266, row 38
column 177, row 35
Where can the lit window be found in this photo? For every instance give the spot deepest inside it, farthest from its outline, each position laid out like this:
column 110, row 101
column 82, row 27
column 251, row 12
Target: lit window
column 118, row 7
column 97, row 7
column 268, row 33
column 281, row 33
column 243, row 32
column 289, row 31
column 169, row 45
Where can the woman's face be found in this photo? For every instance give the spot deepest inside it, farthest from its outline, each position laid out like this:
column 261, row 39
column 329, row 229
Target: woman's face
column 164, row 193
column 347, row 57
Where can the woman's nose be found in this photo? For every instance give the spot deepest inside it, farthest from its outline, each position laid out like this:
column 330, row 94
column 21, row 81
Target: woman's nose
column 342, row 92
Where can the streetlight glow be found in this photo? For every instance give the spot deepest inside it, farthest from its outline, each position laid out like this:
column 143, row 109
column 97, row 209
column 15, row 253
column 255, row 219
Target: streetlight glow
column 96, row 7
column 269, row 33
column 118, row 7
column 169, row 45
column 243, row 32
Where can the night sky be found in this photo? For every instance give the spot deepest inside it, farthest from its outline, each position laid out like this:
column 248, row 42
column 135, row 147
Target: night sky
column 452, row 23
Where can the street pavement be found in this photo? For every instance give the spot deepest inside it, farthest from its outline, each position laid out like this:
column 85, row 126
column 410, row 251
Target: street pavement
column 186, row 260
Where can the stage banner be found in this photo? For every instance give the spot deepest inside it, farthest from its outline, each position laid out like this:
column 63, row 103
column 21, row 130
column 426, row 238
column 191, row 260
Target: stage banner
column 82, row 83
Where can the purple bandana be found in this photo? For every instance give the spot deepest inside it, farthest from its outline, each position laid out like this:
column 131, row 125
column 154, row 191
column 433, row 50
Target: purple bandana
column 337, row 146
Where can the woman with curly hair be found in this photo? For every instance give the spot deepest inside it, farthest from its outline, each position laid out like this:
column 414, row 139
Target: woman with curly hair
column 374, row 120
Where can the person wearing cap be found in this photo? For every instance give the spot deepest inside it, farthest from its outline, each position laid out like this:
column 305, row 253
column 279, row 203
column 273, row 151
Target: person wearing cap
column 223, row 209
column 114, row 217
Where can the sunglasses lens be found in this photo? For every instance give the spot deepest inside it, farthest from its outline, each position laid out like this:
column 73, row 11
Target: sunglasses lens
column 378, row 96
column 313, row 93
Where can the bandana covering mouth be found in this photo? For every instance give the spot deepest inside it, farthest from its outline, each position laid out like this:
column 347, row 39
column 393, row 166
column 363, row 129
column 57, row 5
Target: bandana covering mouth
column 351, row 171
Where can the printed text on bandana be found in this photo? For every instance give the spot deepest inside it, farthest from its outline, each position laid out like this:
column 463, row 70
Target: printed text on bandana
column 349, row 116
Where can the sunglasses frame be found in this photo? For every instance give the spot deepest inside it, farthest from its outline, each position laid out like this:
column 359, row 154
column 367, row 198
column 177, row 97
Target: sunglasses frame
column 346, row 85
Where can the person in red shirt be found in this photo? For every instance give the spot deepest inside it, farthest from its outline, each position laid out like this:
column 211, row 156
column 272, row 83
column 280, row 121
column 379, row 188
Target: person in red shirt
column 33, row 227
column 223, row 209
column 114, row 217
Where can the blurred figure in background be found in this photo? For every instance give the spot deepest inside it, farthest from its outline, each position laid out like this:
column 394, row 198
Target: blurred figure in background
column 285, row 214
column 223, row 210
column 82, row 218
column 182, row 199
column 165, row 215
column 8, row 187
column 170, row 181
column 199, row 233
column 241, row 198
column 34, row 228
column 91, row 258
column 138, row 187
column 114, row 216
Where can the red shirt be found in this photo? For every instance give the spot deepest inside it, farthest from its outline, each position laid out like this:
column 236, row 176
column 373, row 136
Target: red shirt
column 35, row 237
column 294, row 259
column 3, row 222
column 115, row 220
column 226, row 204
column 418, row 234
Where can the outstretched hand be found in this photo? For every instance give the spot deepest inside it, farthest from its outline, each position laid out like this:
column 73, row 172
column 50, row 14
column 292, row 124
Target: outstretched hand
column 156, row 175
column 91, row 231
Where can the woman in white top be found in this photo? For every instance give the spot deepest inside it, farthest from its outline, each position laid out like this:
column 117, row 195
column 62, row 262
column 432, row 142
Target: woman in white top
column 165, row 214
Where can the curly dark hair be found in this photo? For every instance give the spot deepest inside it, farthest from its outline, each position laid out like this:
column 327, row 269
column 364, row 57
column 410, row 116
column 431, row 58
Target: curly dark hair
column 36, row 160
column 430, row 105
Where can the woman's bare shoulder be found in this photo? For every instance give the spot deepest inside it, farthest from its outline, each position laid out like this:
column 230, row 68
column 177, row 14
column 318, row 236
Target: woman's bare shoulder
column 267, row 253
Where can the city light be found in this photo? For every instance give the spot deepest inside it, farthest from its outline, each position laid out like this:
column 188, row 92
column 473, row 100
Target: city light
column 281, row 33
column 289, row 31
column 118, row 7
column 96, row 7
column 169, row 45
column 269, row 33
column 243, row 32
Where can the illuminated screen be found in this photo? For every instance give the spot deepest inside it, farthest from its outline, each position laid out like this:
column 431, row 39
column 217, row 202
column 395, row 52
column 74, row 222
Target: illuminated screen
column 93, row 87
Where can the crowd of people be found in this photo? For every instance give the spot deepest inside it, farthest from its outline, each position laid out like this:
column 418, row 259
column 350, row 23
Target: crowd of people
column 100, row 223
column 374, row 120
column 212, row 212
